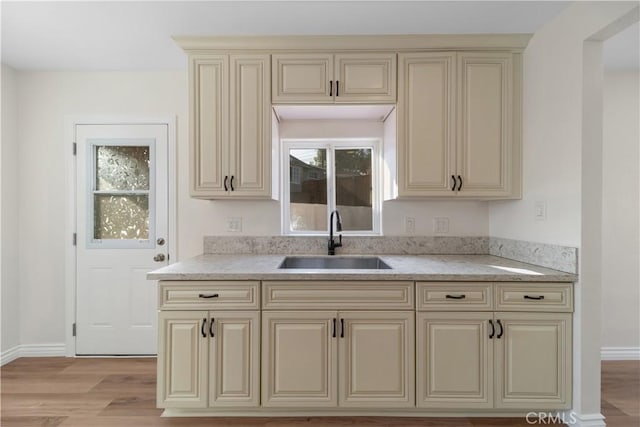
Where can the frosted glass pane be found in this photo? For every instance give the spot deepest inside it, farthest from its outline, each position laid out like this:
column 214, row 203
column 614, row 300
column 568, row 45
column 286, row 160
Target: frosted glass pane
column 354, row 189
column 121, row 217
column 122, row 167
column 308, row 189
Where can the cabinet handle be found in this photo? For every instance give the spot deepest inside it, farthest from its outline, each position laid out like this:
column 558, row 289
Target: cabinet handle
column 208, row 296
column 334, row 328
column 501, row 329
column 330, row 87
column 211, row 328
column 341, row 328
column 539, row 297
column 463, row 296
column 204, row 322
column 453, row 179
column 460, row 185
column 225, row 183
column 493, row 329
column 337, row 87
column 232, row 189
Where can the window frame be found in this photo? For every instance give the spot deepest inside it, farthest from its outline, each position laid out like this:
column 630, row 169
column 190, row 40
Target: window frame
column 331, row 144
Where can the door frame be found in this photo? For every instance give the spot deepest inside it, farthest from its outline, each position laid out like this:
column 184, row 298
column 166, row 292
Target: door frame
column 70, row 201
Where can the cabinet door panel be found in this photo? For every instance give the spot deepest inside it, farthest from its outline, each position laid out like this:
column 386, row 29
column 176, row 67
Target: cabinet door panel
column 209, row 124
column 426, row 143
column 377, row 359
column 454, row 360
column 250, row 133
column 182, row 359
column 299, row 359
column 484, row 123
column 234, row 359
column 366, row 77
column 302, row 78
column 533, row 361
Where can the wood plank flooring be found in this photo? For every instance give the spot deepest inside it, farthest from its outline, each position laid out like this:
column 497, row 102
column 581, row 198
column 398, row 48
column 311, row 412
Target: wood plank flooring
column 121, row 392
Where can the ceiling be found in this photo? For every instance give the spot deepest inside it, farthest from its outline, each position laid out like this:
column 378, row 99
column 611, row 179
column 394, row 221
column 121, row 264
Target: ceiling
column 136, row 35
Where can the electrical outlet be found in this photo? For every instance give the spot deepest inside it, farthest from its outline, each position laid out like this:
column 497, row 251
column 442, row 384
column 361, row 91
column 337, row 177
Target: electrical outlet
column 409, row 225
column 540, row 211
column 441, row 225
column 234, row 225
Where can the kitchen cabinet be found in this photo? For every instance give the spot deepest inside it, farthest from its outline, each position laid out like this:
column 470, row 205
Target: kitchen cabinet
column 313, row 357
column 327, row 78
column 208, row 357
column 230, row 126
column 459, row 124
column 517, row 359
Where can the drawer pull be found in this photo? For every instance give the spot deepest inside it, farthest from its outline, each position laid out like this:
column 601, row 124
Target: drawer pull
column 493, row 329
column 212, row 328
column 539, row 297
column 463, row 296
column 208, row 296
column 341, row 328
column 334, row 328
column 204, row 322
column 501, row 329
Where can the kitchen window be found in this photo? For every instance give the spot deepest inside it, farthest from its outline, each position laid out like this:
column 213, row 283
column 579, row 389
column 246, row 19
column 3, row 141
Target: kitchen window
column 326, row 175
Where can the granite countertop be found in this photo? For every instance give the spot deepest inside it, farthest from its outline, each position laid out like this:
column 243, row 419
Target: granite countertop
column 403, row 267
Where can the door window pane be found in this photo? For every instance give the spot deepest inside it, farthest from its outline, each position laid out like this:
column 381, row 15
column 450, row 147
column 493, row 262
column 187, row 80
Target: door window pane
column 308, row 189
column 122, row 167
column 121, row 217
column 354, row 192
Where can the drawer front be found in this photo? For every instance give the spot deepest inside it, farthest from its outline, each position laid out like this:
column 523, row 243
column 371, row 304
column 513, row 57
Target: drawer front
column 336, row 295
column 448, row 296
column 203, row 295
column 534, row 297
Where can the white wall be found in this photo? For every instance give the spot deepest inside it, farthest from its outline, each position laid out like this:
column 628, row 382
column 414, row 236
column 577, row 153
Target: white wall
column 553, row 142
column 9, row 211
column 621, row 210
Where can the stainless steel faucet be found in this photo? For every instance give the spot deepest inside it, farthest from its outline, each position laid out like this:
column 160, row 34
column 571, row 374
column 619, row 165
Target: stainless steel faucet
column 332, row 243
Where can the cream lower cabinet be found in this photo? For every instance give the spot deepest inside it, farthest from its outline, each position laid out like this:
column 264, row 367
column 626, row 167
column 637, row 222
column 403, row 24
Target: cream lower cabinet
column 331, row 358
column 208, row 359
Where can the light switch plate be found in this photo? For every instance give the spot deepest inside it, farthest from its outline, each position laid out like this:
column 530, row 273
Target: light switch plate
column 441, row 225
column 234, row 225
column 409, row 225
column 540, row 211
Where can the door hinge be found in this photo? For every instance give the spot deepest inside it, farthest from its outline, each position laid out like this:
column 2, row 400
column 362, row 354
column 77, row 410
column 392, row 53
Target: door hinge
column 73, row 329
column 75, row 239
column 75, row 148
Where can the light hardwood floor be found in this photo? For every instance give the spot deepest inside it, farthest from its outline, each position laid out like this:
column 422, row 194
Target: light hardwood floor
column 121, row 392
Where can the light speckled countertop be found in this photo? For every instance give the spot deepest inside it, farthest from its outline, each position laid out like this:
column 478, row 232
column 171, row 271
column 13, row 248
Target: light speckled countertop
column 403, row 267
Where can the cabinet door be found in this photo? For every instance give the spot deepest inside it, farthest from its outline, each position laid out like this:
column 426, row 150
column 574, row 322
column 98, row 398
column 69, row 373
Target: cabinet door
column 299, row 359
column 454, row 360
column 250, row 132
column 533, row 361
column 208, row 124
column 234, row 361
column 182, row 359
column 426, row 140
column 302, row 78
column 365, row 78
column 377, row 359
column 484, row 123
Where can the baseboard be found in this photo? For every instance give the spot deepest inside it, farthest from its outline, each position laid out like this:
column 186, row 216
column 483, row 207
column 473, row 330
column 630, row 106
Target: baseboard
column 620, row 353
column 32, row 350
column 584, row 420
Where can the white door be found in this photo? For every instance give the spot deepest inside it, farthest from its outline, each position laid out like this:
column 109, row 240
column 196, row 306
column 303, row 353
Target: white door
column 121, row 224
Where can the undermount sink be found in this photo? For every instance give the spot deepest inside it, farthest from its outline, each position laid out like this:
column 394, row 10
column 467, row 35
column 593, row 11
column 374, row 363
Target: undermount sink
column 333, row 262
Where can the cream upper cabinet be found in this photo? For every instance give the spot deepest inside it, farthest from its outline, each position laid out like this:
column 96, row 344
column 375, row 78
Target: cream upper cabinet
column 533, row 360
column 326, row 78
column 299, row 356
column 454, row 360
column 376, row 359
column 459, row 124
column 230, row 122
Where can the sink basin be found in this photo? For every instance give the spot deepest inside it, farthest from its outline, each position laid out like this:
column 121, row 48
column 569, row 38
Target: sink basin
column 333, row 262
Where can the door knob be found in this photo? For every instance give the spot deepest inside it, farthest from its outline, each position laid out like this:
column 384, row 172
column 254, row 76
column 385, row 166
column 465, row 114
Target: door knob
column 160, row 241
column 159, row 258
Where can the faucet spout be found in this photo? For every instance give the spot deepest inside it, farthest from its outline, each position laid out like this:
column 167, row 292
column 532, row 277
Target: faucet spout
column 332, row 243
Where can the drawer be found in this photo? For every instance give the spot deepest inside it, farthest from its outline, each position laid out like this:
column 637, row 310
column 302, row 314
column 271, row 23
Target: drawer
column 452, row 296
column 534, row 297
column 336, row 295
column 204, row 295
